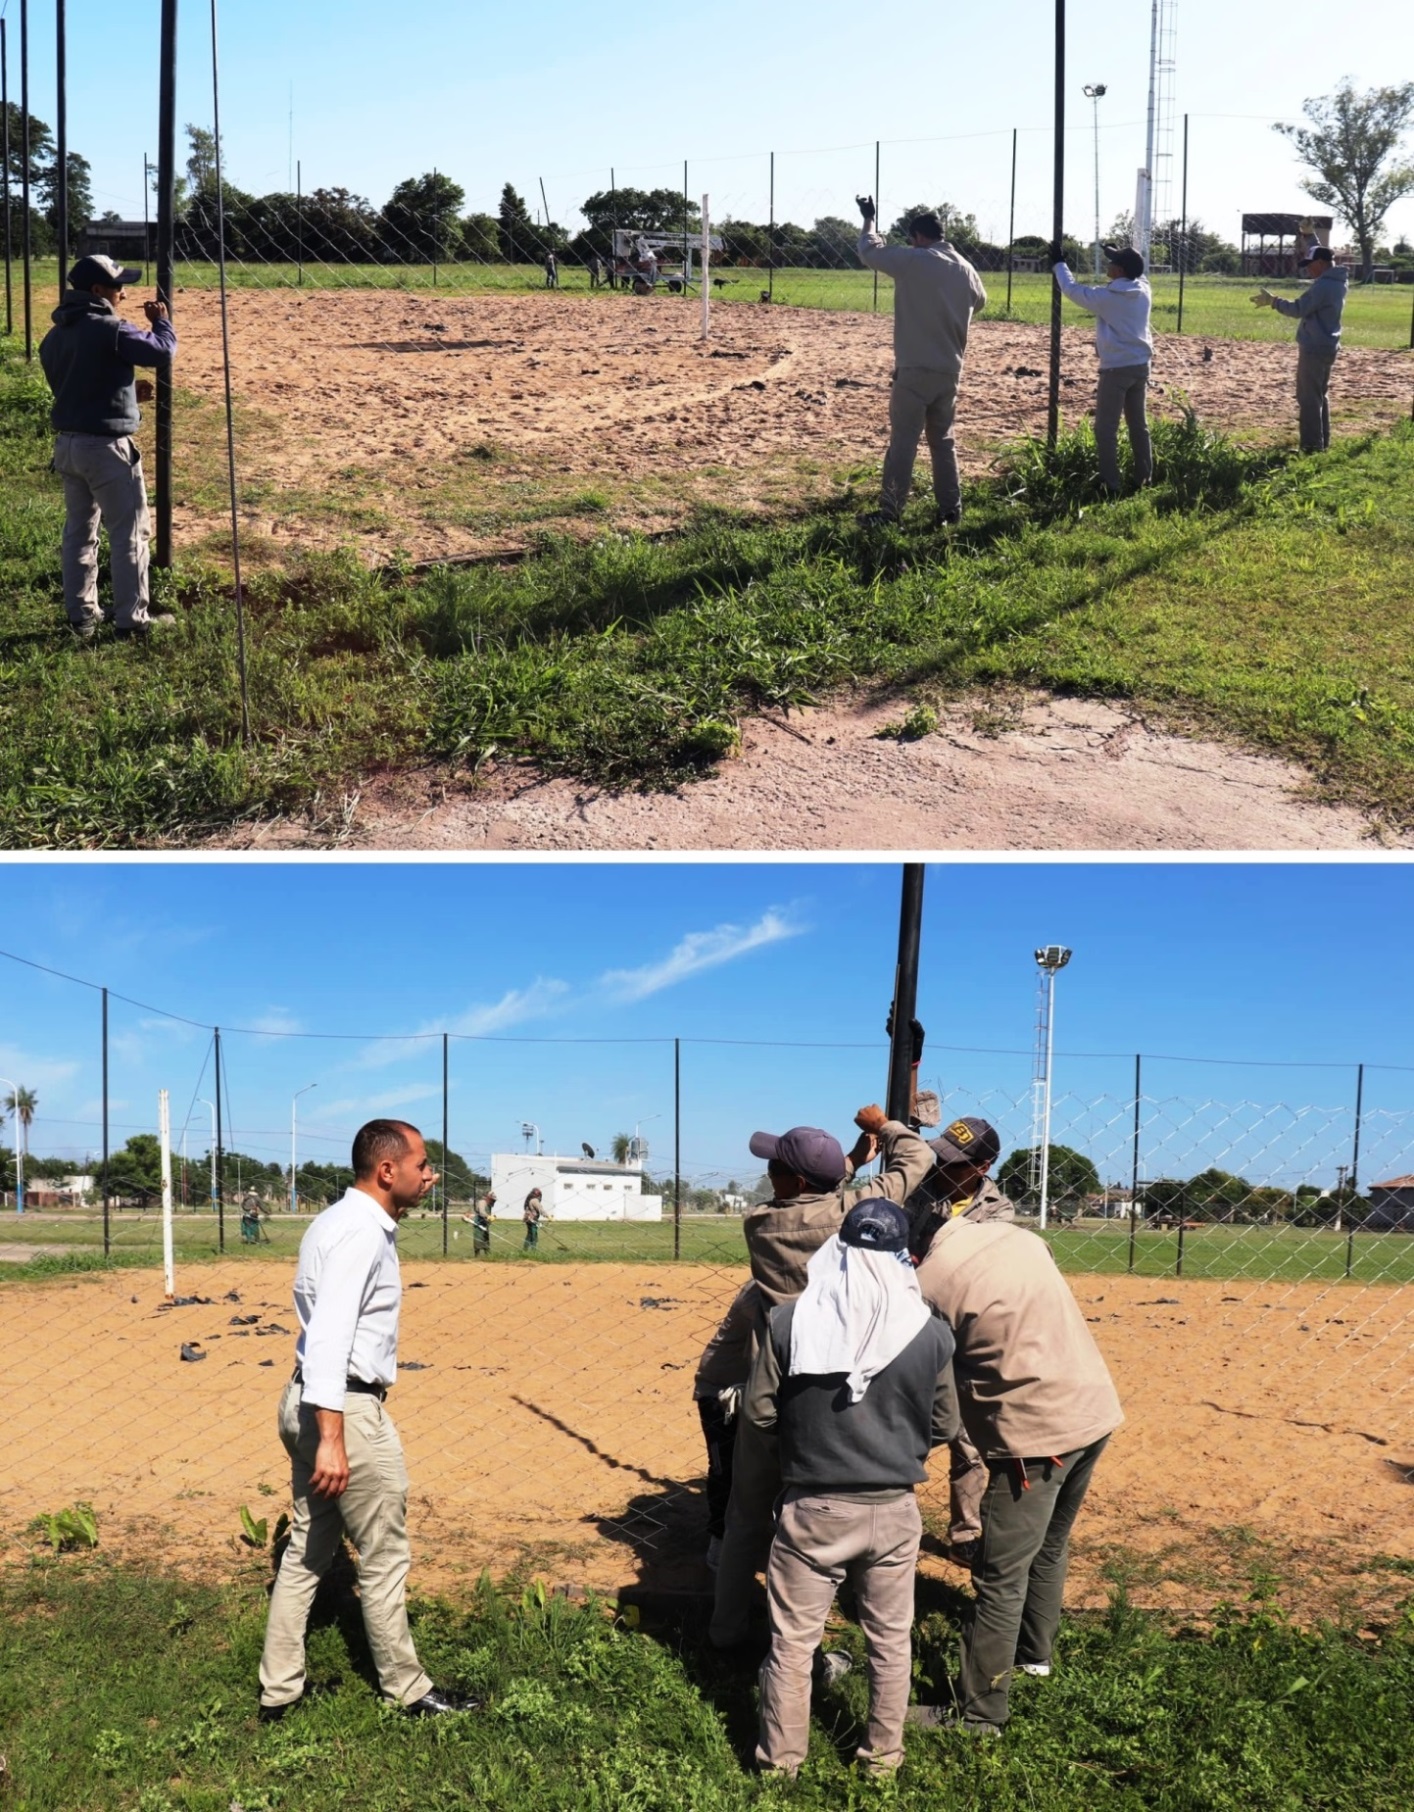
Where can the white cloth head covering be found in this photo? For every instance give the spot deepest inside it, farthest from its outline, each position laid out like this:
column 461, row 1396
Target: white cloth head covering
column 859, row 1310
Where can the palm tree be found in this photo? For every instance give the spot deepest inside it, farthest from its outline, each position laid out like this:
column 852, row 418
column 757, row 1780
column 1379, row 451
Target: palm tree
column 21, row 1102
column 621, row 1147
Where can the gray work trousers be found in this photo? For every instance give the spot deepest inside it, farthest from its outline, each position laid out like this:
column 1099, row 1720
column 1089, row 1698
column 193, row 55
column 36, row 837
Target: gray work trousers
column 103, row 482
column 1313, row 383
column 1027, row 1512
column 373, row 1513
column 821, row 1541
column 967, row 1481
column 1122, row 392
column 921, row 402
column 746, row 1538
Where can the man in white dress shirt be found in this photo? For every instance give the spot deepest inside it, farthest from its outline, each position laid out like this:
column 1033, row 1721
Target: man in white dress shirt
column 346, row 1460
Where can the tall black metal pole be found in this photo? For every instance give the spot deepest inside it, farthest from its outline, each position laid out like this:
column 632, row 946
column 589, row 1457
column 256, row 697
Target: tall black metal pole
column 1183, row 229
column 299, row 223
column 61, row 140
column 146, row 229
column 1011, row 223
column 1057, row 230
column 614, row 228
column 684, row 226
column 905, row 1007
column 166, row 259
column 220, row 1155
column 434, row 232
column 5, row 111
column 26, row 238
column 107, row 1230
column 677, row 1148
column 771, row 239
column 1134, row 1167
column 445, row 1146
column 1355, row 1168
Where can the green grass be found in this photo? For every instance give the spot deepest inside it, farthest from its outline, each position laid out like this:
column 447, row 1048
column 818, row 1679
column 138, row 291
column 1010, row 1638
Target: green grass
column 1241, row 595
column 1251, row 1254
column 125, row 1689
column 1376, row 315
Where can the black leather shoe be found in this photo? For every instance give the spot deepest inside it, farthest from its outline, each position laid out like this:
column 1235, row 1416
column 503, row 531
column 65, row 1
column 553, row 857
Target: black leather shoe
column 435, row 1704
column 271, row 1714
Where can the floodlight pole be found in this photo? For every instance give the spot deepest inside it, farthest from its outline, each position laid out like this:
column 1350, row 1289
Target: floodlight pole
column 5, row 113
column 294, row 1123
column 1183, row 229
column 1046, row 1104
column 61, row 139
column 1094, row 90
column 166, row 248
column 1057, row 227
column 164, row 1139
column 876, row 216
column 899, row 1096
column 1011, row 224
column 706, row 261
column 771, row 242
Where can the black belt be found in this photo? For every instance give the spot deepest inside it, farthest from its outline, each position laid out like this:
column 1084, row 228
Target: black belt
column 359, row 1385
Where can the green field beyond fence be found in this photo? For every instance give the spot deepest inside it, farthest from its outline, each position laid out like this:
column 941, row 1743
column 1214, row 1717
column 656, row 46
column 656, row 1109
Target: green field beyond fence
column 1377, row 315
column 1253, row 1254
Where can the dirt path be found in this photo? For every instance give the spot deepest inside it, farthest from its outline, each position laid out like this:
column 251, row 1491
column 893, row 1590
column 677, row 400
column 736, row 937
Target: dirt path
column 548, row 1408
column 383, row 398
column 1072, row 774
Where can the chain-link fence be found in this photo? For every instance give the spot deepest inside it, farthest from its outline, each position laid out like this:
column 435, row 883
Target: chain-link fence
column 1238, row 1235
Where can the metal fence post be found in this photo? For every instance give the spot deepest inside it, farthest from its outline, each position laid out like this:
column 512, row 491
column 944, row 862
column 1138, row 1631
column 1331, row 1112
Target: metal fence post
column 1183, row 230
column 5, row 167
column 220, row 1140
column 166, row 259
column 1134, row 1168
column 876, row 217
column 1011, row 224
column 107, row 1233
column 898, row 1096
column 1355, row 1168
column 1178, row 1267
column 771, row 241
column 61, row 139
column 444, row 1145
column 26, row 238
column 677, row 1148
column 1057, row 229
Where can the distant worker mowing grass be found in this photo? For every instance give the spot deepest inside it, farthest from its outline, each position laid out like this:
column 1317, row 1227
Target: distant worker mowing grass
column 89, row 357
column 532, row 1214
column 1124, row 346
column 1318, row 308
column 936, row 294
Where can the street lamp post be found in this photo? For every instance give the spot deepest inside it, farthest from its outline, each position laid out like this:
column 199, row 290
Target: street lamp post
column 1050, row 959
column 1093, row 91
column 294, row 1123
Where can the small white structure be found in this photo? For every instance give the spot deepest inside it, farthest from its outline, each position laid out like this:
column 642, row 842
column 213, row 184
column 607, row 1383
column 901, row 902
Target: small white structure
column 571, row 1189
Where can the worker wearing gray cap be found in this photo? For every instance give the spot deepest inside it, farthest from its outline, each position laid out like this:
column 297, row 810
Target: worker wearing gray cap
column 89, row 356
column 1124, row 346
column 809, row 1173
column 958, row 1186
column 1319, row 309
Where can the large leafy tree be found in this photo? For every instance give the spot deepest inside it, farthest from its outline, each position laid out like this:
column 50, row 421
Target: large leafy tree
column 80, row 197
column 1071, row 1175
column 1350, row 142
column 515, row 231
column 422, row 219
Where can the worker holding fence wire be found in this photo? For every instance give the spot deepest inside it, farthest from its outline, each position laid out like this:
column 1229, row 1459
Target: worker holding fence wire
column 89, row 357
column 1124, row 346
column 1319, row 309
column 936, row 294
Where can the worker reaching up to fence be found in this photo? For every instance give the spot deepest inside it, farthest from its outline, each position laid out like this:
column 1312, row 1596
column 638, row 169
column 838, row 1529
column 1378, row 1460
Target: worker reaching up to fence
column 936, row 294
column 1124, row 344
column 1319, row 309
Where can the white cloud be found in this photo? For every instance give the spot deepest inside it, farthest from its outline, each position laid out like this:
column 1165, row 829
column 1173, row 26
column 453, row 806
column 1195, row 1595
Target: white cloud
column 517, row 1005
column 275, row 1021
column 698, row 951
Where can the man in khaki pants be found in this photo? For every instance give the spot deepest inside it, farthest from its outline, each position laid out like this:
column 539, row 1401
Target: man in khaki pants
column 347, row 1464
column 855, row 1381
column 936, row 294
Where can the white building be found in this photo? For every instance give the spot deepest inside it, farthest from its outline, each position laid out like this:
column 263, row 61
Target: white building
column 571, row 1189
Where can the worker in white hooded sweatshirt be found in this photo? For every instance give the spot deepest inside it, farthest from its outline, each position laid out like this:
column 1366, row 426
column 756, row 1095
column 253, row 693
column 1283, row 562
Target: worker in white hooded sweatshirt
column 855, row 1380
column 1125, row 346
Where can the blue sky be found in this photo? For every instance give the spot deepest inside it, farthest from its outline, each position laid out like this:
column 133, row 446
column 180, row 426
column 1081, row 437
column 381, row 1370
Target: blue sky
column 1291, row 963
column 562, row 91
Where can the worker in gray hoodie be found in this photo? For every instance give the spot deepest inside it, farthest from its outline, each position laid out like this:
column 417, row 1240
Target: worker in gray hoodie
column 88, row 356
column 936, row 294
column 1318, row 308
column 1125, row 346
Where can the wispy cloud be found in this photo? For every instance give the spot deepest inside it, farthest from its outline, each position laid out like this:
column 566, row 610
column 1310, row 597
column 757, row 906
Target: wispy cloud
column 516, row 1006
column 698, row 951
column 275, row 1021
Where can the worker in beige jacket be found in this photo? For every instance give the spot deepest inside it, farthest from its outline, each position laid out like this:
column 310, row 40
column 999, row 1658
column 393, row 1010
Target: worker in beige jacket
column 936, row 294
column 1038, row 1402
column 809, row 1174
column 958, row 1185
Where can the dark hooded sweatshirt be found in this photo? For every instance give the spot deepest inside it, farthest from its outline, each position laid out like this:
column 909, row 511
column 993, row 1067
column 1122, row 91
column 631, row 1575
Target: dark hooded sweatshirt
column 88, row 356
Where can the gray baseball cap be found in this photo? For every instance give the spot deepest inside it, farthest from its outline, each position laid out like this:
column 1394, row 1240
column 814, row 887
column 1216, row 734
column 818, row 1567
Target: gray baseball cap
column 98, row 269
column 967, row 1141
column 806, row 1150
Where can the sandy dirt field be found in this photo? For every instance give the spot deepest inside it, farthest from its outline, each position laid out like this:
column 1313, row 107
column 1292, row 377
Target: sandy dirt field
column 376, row 394
column 1065, row 774
column 546, row 1413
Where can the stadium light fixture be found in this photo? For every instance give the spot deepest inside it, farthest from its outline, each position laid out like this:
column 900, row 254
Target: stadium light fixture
column 294, row 1125
column 1050, row 960
column 1093, row 91
column 528, row 1131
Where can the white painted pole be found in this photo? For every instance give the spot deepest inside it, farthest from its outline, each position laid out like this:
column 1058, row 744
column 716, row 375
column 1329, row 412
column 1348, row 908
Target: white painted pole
column 212, row 1106
column 1046, row 1111
column 1144, row 221
column 706, row 270
column 164, row 1136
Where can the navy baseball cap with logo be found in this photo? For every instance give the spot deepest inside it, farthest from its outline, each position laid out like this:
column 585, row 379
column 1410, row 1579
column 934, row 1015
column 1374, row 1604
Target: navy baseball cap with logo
column 107, row 271
column 1125, row 256
column 967, row 1141
column 1318, row 254
column 877, row 1225
column 806, row 1150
